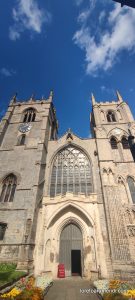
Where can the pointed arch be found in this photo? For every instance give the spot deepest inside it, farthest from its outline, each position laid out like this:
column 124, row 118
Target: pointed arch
column 120, row 179
column 71, row 172
column 75, row 145
column 102, row 115
column 125, row 143
column 113, row 143
column 122, row 190
column 79, row 211
column 111, row 117
column 29, row 115
column 8, row 188
column 131, row 186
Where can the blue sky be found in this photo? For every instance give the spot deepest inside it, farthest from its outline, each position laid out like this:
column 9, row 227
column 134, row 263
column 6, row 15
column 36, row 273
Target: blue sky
column 74, row 47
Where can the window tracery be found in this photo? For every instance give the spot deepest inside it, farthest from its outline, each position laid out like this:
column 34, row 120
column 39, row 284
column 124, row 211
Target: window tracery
column 111, row 116
column 71, row 172
column 29, row 115
column 8, row 188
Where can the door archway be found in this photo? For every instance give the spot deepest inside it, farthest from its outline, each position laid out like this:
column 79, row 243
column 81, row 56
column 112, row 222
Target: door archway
column 71, row 245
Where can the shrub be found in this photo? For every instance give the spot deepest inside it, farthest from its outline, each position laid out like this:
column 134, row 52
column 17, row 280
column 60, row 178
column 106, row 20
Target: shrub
column 4, row 267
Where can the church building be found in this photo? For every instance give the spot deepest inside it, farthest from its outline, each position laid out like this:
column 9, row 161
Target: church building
column 68, row 200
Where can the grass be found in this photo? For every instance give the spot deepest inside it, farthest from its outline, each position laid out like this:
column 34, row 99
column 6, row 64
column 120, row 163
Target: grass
column 8, row 273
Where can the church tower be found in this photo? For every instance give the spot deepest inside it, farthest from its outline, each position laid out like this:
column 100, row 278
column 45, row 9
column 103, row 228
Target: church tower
column 113, row 127
column 68, row 200
column 25, row 131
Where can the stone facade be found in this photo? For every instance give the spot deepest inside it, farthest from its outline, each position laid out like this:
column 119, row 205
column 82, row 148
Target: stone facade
column 35, row 220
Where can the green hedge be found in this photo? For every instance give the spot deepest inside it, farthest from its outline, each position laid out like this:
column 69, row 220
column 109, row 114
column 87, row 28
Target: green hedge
column 7, row 267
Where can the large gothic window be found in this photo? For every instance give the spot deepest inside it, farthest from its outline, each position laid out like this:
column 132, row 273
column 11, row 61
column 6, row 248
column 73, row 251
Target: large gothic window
column 8, row 188
column 71, row 172
column 29, row 115
column 131, row 185
column 111, row 116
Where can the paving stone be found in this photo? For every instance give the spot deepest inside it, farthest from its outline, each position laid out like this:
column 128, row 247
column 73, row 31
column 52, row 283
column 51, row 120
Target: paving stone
column 69, row 289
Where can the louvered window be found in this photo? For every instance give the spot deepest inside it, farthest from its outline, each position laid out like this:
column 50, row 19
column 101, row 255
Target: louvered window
column 111, row 116
column 113, row 143
column 71, row 172
column 125, row 143
column 8, row 188
column 29, row 115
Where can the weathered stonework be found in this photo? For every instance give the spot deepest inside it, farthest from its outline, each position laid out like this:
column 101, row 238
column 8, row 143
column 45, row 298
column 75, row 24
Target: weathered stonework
column 35, row 221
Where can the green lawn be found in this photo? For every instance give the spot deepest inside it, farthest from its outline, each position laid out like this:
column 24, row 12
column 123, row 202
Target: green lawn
column 8, row 273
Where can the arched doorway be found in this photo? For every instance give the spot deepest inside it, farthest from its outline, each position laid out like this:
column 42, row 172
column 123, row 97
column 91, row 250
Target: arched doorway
column 71, row 245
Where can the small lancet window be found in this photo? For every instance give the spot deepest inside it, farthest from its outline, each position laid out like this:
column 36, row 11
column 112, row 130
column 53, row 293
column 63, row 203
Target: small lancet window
column 125, row 143
column 29, row 115
column 113, row 143
column 111, row 116
column 131, row 185
column 3, row 227
column 8, row 188
column 21, row 140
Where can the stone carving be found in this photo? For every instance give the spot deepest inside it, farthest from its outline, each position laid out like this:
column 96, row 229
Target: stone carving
column 27, row 230
column 131, row 230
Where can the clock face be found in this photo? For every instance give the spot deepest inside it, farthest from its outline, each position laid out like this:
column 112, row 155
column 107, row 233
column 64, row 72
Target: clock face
column 25, row 127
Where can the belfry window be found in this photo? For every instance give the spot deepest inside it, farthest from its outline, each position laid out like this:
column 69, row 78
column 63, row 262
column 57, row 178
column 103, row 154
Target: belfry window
column 113, row 143
column 71, row 172
column 125, row 143
column 131, row 185
column 8, row 188
column 29, row 115
column 111, row 116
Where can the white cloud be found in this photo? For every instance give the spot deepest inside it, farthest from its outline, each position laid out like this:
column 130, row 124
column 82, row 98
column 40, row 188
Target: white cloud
column 102, row 52
column 14, row 33
column 102, row 16
column 27, row 15
column 78, row 2
column 7, row 73
column 107, row 90
column 85, row 14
